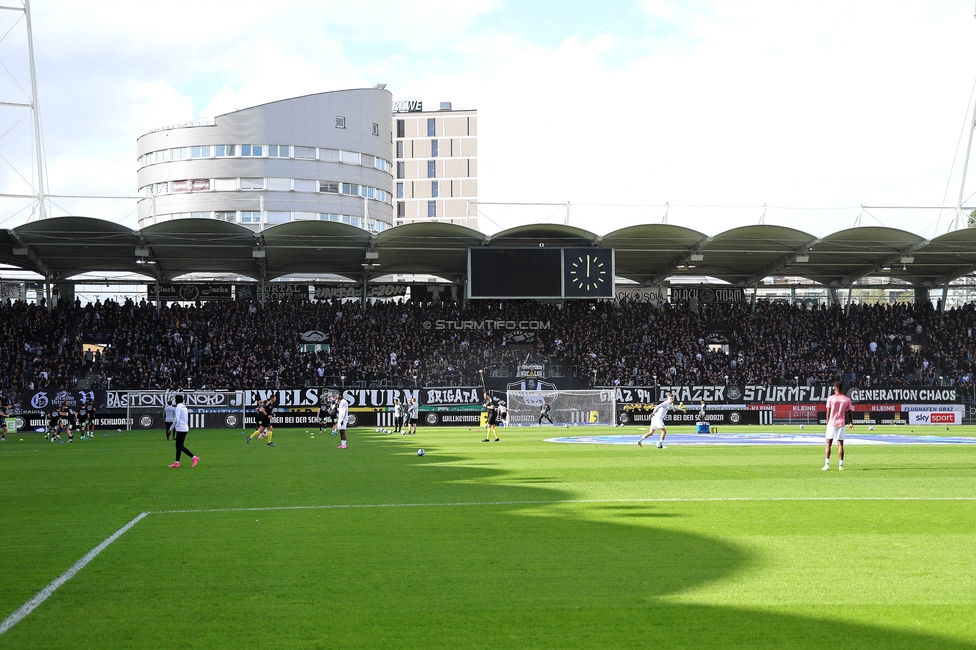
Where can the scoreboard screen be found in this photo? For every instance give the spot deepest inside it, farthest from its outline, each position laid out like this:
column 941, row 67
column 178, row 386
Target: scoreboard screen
column 515, row 272
column 540, row 273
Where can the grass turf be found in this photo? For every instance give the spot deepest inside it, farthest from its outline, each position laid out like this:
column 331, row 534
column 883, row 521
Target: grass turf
column 520, row 543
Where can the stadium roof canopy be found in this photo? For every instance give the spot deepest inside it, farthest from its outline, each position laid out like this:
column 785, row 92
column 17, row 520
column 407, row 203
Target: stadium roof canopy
column 64, row 247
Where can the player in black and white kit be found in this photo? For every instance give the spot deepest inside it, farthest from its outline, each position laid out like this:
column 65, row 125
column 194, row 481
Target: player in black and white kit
column 324, row 411
column 52, row 427
column 90, row 412
column 413, row 413
column 82, row 418
column 489, row 406
column 269, row 415
column 544, row 413
column 260, row 422
column 3, row 421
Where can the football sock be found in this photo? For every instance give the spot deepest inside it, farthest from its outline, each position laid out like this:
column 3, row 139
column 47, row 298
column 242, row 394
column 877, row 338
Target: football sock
column 254, row 435
column 841, row 463
column 269, row 435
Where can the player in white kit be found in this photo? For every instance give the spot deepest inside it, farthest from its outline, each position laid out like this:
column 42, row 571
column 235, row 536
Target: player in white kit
column 657, row 421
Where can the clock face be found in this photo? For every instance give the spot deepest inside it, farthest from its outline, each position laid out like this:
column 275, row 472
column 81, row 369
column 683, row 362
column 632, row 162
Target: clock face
column 589, row 272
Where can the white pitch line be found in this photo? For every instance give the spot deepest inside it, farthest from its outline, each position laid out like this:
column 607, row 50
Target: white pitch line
column 351, row 506
column 45, row 593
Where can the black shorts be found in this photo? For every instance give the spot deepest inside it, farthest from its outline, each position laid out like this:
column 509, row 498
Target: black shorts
column 413, row 421
column 323, row 414
column 492, row 419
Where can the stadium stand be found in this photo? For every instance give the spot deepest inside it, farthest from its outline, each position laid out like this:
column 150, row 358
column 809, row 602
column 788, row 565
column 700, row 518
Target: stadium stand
column 221, row 344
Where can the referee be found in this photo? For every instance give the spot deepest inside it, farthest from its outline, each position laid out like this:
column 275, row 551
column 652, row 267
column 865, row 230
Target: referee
column 181, row 427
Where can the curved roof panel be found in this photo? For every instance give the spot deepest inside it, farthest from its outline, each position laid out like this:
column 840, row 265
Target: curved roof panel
column 315, row 247
column 645, row 253
column 442, row 247
column 186, row 246
column 543, row 233
column 68, row 246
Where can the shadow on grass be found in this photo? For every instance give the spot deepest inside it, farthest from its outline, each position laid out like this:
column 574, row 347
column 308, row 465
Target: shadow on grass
column 512, row 575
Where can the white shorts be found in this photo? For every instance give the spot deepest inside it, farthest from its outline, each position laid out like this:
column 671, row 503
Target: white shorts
column 835, row 433
column 657, row 423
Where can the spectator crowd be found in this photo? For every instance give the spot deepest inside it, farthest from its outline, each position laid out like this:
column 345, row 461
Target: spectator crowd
column 243, row 345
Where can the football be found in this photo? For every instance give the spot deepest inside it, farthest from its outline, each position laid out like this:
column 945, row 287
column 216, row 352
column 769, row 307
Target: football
column 421, row 452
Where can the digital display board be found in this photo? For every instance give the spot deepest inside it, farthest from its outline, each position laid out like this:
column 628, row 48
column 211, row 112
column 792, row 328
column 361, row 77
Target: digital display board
column 540, row 272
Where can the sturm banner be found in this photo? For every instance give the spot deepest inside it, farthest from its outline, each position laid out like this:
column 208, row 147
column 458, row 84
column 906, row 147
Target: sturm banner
column 750, row 394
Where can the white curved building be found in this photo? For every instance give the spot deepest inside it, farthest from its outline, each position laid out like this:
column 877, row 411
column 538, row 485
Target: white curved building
column 326, row 156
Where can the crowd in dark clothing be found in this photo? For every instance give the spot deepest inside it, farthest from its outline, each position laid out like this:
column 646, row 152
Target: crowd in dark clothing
column 243, row 345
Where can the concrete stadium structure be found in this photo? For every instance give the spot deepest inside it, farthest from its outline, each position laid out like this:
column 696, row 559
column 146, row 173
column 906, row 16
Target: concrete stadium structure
column 321, row 157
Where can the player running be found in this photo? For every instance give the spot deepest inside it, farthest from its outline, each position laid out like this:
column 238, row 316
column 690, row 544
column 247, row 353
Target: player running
column 169, row 414
column 52, row 427
column 82, row 419
column 3, row 421
column 269, row 408
column 260, row 418
column 657, row 421
column 839, row 410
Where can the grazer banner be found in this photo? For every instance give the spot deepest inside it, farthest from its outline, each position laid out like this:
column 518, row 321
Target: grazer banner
column 759, row 394
column 190, row 292
column 707, row 293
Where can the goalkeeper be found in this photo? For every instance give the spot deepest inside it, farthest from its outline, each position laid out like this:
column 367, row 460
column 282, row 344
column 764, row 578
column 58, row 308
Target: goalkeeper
column 544, row 413
column 657, row 421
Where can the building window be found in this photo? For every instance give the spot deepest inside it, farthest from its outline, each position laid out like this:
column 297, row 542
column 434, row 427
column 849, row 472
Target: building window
column 340, row 122
column 433, row 148
column 331, row 187
column 431, row 209
column 201, row 152
column 400, row 129
column 350, row 188
column 305, row 185
column 226, row 150
column 430, row 127
column 250, row 217
column 252, row 183
column 401, row 169
column 434, row 189
column 399, row 190
column 225, row 216
column 305, row 152
column 278, row 150
column 431, row 169
column 376, row 128
column 252, row 150
column 279, row 184
column 399, row 146
column 181, row 153
column 401, row 209
column 225, row 184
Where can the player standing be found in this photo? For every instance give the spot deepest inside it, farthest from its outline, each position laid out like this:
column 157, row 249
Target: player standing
column 181, row 427
column 90, row 429
column 323, row 411
column 397, row 415
column 492, row 418
column 342, row 419
column 502, row 414
column 544, row 413
column 3, row 422
column 413, row 412
column 840, row 410
column 657, row 421
column 169, row 412
column 82, row 419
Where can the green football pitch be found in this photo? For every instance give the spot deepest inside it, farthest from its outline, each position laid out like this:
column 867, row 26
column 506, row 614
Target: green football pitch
column 516, row 544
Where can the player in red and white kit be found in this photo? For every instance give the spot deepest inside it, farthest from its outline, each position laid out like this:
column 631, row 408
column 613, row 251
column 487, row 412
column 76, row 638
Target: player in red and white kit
column 840, row 411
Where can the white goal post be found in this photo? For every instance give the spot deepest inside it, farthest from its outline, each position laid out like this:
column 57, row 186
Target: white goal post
column 566, row 407
column 145, row 409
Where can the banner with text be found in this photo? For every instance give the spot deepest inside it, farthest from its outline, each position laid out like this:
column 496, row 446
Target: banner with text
column 190, row 292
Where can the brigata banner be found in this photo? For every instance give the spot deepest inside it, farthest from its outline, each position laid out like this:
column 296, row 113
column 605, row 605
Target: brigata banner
column 190, row 292
column 759, row 394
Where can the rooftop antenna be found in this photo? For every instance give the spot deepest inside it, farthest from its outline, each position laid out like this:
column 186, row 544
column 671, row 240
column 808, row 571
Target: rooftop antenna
column 35, row 108
column 667, row 209
column 762, row 218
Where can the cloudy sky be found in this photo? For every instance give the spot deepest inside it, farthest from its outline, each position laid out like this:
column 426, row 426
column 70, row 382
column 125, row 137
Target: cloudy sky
column 619, row 107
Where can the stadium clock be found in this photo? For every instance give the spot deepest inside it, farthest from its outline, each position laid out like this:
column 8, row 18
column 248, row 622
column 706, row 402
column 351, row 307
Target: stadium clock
column 588, row 272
